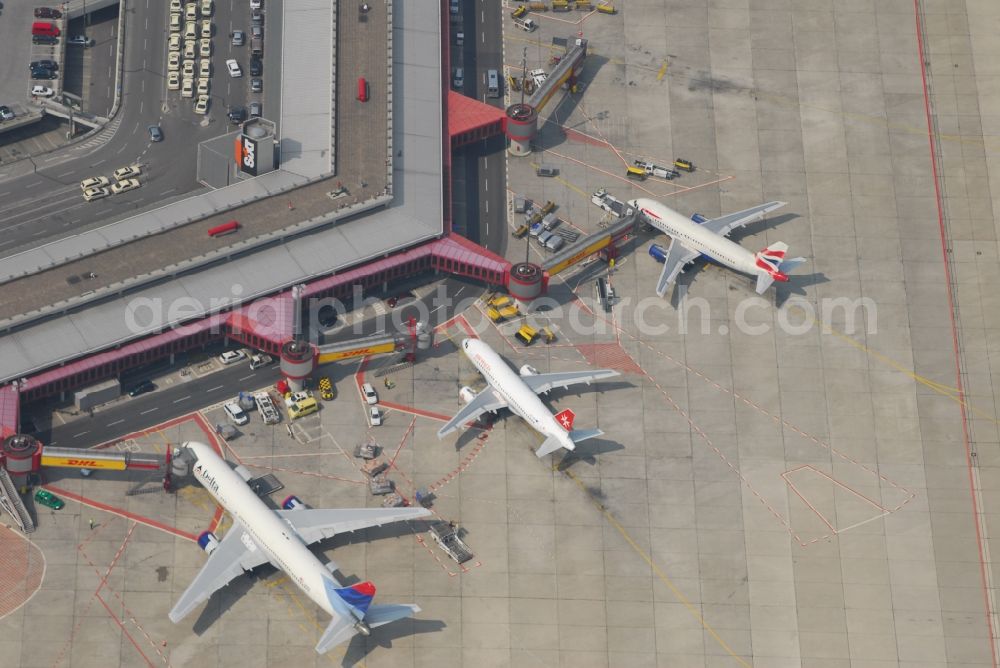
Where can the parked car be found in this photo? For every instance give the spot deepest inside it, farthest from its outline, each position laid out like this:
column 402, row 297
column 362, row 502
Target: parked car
column 174, row 44
column 256, row 66
column 190, row 12
column 173, row 80
column 205, row 48
column 124, row 186
column 80, row 40
column 232, row 356
column 369, row 392
column 49, row 499
column 142, row 387
column 90, row 194
column 203, row 86
column 44, row 39
column 126, row 172
column 201, row 105
column 256, row 31
column 234, row 68
column 205, row 68
column 155, row 133
column 6, row 113
column 42, row 91
column 47, row 13
column 187, row 87
column 176, row 6
column 255, row 4
column 256, row 110
column 94, row 182
column 190, row 30
column 173, row 61
column 47, row 64
column 190, row 50
column 375, row 416
column 239, row 38
column 206, row 29
column 206, row 7
column 257, row 18
column 43, row 73
column 256, row 85
column 237, row 115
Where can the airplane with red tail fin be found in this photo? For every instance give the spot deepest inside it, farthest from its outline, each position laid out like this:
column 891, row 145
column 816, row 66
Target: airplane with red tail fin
column 697, row 236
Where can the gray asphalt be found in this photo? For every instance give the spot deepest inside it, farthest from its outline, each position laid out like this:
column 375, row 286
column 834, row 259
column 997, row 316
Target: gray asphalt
column 45, row 203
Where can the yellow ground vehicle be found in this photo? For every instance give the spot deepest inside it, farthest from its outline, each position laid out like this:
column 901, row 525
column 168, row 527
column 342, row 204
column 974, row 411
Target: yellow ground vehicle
column 505, row 313
column 326, row 389
column 520, row 232
column 519, row 12
column 302, row 407
column 538, row 6
column 547, row 334
column 583, row 5
column 547, row 209
column 527, row 334
column 606, row 8
column 636, row 173
column 686, row 165
column 499, row 301
column 560, row 6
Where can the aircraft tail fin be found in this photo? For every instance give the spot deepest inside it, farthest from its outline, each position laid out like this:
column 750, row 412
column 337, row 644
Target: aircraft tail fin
column 340, row 630
column 772, row 265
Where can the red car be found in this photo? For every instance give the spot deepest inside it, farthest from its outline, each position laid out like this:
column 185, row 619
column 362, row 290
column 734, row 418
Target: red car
column 47, row 13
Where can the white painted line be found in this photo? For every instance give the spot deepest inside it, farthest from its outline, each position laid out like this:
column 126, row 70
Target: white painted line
column 112, row 424
column 177, row 401
column 213, row 389
column 81, row 434
column 248, row 377
column 150, row 410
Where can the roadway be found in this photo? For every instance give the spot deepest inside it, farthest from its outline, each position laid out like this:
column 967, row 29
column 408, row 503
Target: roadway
column 41, row 197
column 128, row 415
column 479, row 170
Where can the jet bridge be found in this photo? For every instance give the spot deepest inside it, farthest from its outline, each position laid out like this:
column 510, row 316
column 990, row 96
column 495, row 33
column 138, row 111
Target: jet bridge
column 521, row 122
column 528, row 280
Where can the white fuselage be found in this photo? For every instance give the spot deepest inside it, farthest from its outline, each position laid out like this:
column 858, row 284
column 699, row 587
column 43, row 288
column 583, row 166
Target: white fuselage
column 695, row 237
column 521, row 400
column 273, row 535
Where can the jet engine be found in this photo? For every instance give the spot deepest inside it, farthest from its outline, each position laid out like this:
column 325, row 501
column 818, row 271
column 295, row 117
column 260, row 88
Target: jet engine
column 466, row 395
column 293, row 503
column 208, row 541
column 528, row 370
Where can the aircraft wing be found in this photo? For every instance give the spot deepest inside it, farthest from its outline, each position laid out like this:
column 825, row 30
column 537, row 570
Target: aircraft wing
column 677, row 257
column 543, row 382
column 236, row 553
column 486, row 401
column 723, row 225
column 313, row 524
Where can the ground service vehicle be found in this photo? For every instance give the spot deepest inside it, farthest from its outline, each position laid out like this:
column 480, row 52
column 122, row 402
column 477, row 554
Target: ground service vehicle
column 492, row 83
column 326, row 390
column 546, row 170
column 526, row 334
column 520, row 232
column 232, row 356
column 297, row 409
column 235, row 413
column 266, row 408
column 635, row 173
column 362, row 89
column 369, row 393
column 445, row 534
column 686, row 165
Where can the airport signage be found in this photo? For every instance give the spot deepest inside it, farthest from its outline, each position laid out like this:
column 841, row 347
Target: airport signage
column 246, row 155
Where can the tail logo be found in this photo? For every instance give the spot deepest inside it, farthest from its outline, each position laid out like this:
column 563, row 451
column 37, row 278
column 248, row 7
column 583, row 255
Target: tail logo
column 357, row 596
column 565, row 419
column 770, row 259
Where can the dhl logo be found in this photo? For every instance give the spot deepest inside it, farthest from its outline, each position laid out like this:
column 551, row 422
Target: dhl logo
column 357, row 352
column 83, row 463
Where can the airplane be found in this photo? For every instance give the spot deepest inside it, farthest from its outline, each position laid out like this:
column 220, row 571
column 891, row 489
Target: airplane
column 519, row 392
column 691, row 237
column 260, row 535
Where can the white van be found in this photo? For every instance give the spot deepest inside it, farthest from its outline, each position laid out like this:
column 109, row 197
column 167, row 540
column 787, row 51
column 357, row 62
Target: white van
column 459, row 80
column 370, row 396
column 492, row 83
column 236, row 413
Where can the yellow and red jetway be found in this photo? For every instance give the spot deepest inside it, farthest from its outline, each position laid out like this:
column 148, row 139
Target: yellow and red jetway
column 99, row 459
column 371, row 345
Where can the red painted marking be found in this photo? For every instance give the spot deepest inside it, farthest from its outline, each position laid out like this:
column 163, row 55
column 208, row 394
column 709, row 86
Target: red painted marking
column 416, row 411
column 576, row 135
column 402, row 441
column 122, row 513
column 954, row 332
column 22, row 569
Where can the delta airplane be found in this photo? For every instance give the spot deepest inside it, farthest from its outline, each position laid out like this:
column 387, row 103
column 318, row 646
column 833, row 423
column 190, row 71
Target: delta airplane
column 260, row 535
column 519, row 393
column 692, row 237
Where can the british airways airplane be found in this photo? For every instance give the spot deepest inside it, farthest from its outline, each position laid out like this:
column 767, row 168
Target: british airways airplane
column 260, row 535
column 519, row 393
column 693, row 238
